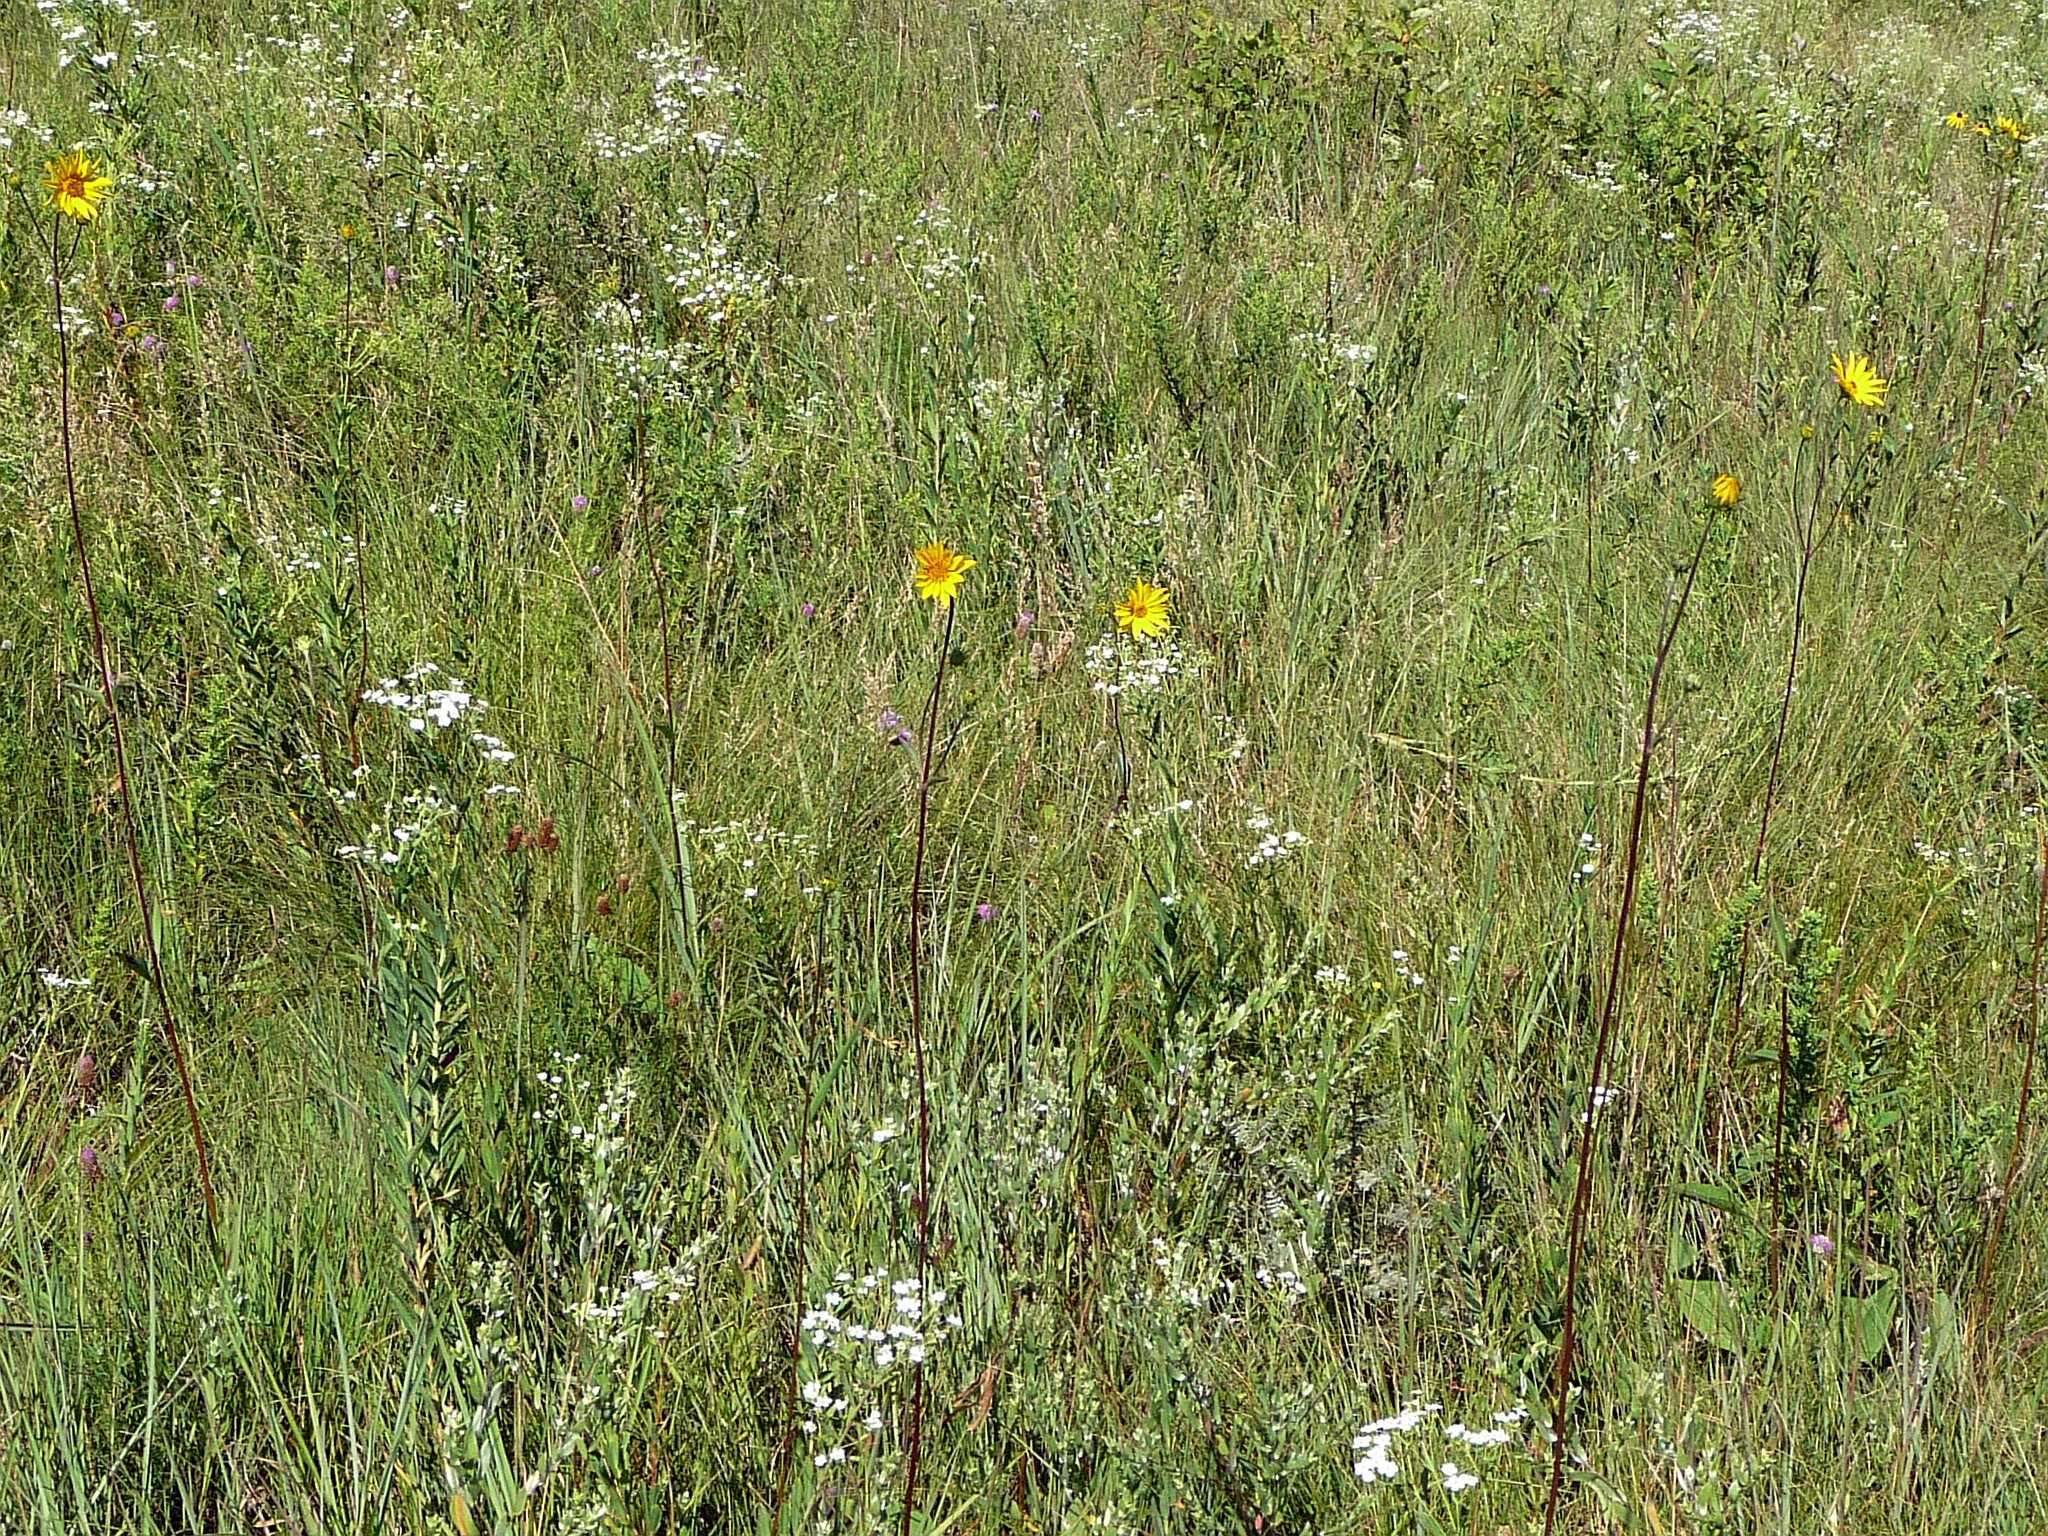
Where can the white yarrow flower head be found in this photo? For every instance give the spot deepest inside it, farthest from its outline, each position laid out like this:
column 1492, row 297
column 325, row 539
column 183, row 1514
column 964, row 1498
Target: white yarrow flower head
column 1376, row 1460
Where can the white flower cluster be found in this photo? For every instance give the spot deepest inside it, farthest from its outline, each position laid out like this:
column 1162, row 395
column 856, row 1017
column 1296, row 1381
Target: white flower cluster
column 1288, row 1282
column 617, row 1312
column 1602, row 1097
column 1375, row 1444
column 87, row 32
column 1332, row 350
column 567, row 1076
column 1698, row 32
column 1598, row 179
column 1273, row 845
column 851, row 1360
column 307, row 552
column 1138, row 822
column 1118, row 666
column 605, row 1137
column 933, row 256
column 388, row 841
column 1962, row 856
column 682, row 77
column 709, row 281
column 17, row 124
column 1005, row 403
column 637, row 368
column 901, row 1338
column 421, row 702
column 429, row 700
column 57, row 982
column 760, row 856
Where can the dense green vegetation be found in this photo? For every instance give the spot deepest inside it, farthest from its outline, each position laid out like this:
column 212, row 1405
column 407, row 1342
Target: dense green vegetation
column 501, row 431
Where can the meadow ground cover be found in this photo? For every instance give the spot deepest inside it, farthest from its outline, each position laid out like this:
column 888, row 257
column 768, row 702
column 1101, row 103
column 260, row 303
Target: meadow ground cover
column 1440, row 604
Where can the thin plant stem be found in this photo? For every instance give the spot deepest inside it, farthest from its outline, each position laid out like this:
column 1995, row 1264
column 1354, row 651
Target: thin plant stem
column 924, row 1106
column 131, row 840
column 355, row 507
column 1807, row 544
column 659, row 569
column 1123, row 752
column 1998, row 203
column 1589, row 522
column 1763, row 832
column 1604, row 1036
column 786, row 1455
column 2003, row 1206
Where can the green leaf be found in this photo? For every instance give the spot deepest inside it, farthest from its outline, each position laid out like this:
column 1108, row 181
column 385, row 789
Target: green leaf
column 1719, row 1196
column 620, row 979
column 1711, row 1309
column 1944, row 1335
column 1871, row 1319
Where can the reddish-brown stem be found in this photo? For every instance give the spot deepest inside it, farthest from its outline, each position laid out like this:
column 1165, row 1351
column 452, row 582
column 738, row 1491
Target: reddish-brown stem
column 1999, row 1211
column 1807, row 544
column 1604, row 1035
column 131, row 841
column 924, row 1107
column 1763, row 830
column 1123, row 753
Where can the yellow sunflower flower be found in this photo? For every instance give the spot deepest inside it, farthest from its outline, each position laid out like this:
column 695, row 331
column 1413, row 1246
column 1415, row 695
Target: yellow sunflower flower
column 2012, row 128
column 76, row 185
column 937, row 572
column 1142, row 614
column 1960, row 121
column 1727, row 490
column 1859, row 381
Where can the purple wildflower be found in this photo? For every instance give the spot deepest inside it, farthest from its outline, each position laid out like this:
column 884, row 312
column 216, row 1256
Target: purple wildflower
column 1822, row 1244
column 985, row 912
column 89, row 1164
column 894, row 731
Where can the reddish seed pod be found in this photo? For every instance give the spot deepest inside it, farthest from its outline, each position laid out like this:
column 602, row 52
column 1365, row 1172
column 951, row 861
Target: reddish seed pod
column 516, row 838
